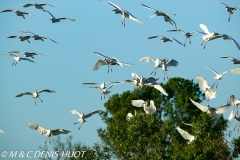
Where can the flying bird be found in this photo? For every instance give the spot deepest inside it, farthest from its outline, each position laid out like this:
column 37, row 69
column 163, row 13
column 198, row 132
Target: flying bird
column 35, row 94
column 83, row 116
column 141, row 103
column 54, row 20
column 18, row 13
column 209, row 92
column 161, row 13
column 211, row 110
column 234, row 115
column 233, row 101
column 234, row 60
column 18, row 58
column 37, row 37
column 208, row 36
column 38, row 5
column 1, row 131
column 186, row 34
column 218, row 76
column 165, row 39
column 152, row 82
column 48, row 132
column 104, row 91
column 21, row 38
column 229, row 9
column 27, row 54
column 125, row 14
column 185, row 135
column 108, row 61
column 101, row 85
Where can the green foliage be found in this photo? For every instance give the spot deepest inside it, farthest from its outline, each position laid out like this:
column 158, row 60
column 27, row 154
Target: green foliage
column 155, row 136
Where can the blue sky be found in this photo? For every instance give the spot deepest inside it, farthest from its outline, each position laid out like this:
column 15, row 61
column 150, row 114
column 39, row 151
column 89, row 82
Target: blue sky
column 97, row 29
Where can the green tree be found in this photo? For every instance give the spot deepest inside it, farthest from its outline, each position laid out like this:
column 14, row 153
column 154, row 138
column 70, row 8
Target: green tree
column 155, row 136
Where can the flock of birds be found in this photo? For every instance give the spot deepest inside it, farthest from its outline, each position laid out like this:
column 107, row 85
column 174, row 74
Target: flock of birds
column 138, row 81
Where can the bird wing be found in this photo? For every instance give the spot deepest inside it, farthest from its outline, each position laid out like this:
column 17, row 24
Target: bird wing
column 231, row 99
column 28, row 5
column 155, row 36
column 201, row 107
column 176, row 30
column 101, row 55
column 130, row 16
column 202, row 83
column 115, row 6
column 176, row 41
column 204, row 28
column 147, row 59
column 212, row 71
column 185, row 134
column 29, row 14
column 171, row 63
column 232, row 115
column 235, row 70
column 28, row 60
column 59, row 131
column 221, row 3
column 135, row 75
column 215, row 119
column 159, row 87
column 222, row 109
column 47, row 4
column 137, row 103
column 92, row 113
column 24, row 93
column 16, row 52
column 99, row 64
column 70, row 19
column 8, row 10
column 38, row 128
column 129, row 116
column 148, row 7
column 110, row 86
column 235, row 42
column 173, row 22
column 12, row 36
column 46, row 90
column 50, row 13
column 50, row 39
column 27, row 32
column 76, row 112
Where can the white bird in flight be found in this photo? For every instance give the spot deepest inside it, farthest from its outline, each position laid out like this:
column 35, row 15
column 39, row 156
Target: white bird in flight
column 208, row 36
column 165, row 39
column 18, row 58
column 1, row 131
column 218, row 76
column 101, row 85
column 21, row 38
column 37, row 37
column 152, row 82
column 83, row 116
column 209, row 92
column 18, row 13
column 185, row 134
column 54, row 19
column 48, row 132
column 104, row 91
column 233, row 101
column 141, row 103
column 234, row 115
column 234, row 60
column 186, row 34
column 211, row 110
column 38, row 5
column 108, row 61
column 125, row 14
column 160, row 13
column 229, row 9
column 27, row 54
column 35, row 94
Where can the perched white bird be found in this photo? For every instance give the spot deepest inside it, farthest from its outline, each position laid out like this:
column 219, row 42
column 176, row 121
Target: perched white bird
column 125, row 14
column 233, row 101
column 21, row 38
column 18, row 13
column 54, row 19
column 83, row 116
column 160, row 13
column 141, row 103
column 108, row 61
column 38, row 5
column 218, row 76
column 209, row 92
column 48, row 132
column 229, row 9
column 185, row 135
column 37, row 37
column 18, row 58
column 210, row 110
column 234, row 60
column 27, row 54
column 130, row 115
column 35, row 94
column 208, row 36
column 165, row 39
column 186, row 34
column 1, row 131
column 235, row 71
column 234, row 115
column 152, row 82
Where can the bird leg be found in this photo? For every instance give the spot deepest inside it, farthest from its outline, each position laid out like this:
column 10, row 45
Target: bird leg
column 166, row 74
column 229, row 17
column 111, row 67
column 46, row 140
column 40, row 99
column 13, row 63
column 236, row 126
column 76, row 123
column 189, row 40
column 163, row 75
column 185, row 42
column 108, row 68
column 80, row 126
column 28, row 41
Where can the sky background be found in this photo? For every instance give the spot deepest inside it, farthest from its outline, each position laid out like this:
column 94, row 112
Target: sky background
column 97, row 29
